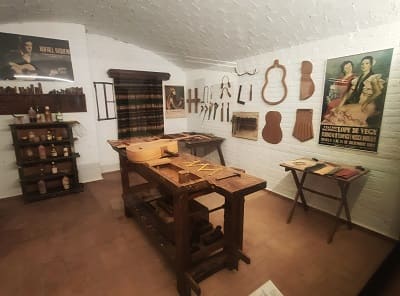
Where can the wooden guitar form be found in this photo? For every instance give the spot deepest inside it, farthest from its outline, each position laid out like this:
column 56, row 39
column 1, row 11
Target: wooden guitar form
column 275, row 65
column 146, row 151
column 272, row 132
column 306, row 83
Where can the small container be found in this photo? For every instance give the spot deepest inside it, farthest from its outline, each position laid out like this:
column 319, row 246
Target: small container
column 31, row 136
column 66, row 151
column 54, row 169
column 42, row 187
column 29, row 152
column 66, row 183
column 59, row 117
column 43, row 137
column 47, row 114
column 32, row 115
column 53, row 151
column 42, row 152
column 49, row 136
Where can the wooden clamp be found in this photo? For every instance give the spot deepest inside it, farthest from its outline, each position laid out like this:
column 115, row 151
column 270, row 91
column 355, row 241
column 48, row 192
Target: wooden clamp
column 196, row 100
column 189, row 100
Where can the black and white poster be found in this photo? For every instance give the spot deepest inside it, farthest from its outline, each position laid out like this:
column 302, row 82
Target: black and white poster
column 34, row 58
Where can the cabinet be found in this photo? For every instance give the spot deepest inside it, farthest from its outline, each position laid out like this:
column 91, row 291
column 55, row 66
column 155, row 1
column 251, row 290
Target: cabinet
column 58, row 172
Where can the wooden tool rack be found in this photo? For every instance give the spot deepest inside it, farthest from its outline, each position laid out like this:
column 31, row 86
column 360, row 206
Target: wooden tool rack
column 191, row 265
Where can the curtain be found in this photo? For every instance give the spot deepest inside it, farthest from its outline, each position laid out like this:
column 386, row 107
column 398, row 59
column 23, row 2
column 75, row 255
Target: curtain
column 139, row 107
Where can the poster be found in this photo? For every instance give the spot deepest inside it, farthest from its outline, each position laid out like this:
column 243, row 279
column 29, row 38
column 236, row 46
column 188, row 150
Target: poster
column 174, row 101
column 354, row 97
column 34, row 58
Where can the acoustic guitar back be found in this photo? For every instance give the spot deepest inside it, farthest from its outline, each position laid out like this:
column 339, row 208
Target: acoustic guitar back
column 272, row 132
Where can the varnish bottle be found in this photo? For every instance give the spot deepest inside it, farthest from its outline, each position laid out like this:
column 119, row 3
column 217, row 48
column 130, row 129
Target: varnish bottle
column 32, row 115
column 47, row 114
column 66, row 183
column 53, row 151
column 38, row 115
column 49, row 136
column 65, row 151
column 54, row 169
column 42, row 184
column 42, row 152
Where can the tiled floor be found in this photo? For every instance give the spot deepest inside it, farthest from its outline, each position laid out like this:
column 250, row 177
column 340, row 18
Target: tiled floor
column 83, row 245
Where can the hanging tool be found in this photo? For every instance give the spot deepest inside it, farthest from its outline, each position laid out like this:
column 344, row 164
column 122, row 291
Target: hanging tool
column 215, row 109
column 246, row 72
column 210, row 110
column 227, row 113
column 205, row 96
column 196, row 100
column 224, row 88
column 222, row 112
column 251, row 92
column 201, row 109
column 205, row 111
column 189, row 100
column 238, row 97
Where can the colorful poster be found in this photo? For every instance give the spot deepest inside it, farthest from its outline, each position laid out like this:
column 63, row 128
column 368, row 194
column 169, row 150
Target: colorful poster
column 174, row 101
column 34, row 58
column 354, row 97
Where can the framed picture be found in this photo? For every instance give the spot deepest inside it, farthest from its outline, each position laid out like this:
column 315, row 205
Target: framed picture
column 174, row 101
column 354, row 97
column 34, row 58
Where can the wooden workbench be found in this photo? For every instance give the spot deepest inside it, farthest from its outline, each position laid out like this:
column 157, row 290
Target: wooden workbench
column 192, row 261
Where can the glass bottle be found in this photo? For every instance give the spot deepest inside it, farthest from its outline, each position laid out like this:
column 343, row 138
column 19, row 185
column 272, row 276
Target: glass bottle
column 32, row 115
column 54, row 169
column 38, row 115
column 49, row 136
column 59, row 116
column 66, row 183
column 66, row 151
column 42, row 184
column 47, row 114
column 29, row 152
column 53, row 151
column 42, row 152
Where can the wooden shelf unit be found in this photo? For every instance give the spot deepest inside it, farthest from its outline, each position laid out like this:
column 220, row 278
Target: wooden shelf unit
column 32, row 169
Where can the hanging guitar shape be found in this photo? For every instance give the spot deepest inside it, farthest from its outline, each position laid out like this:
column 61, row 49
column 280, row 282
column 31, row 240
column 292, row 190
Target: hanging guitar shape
column 272, row 132
column 275, row 65
column 307, row 86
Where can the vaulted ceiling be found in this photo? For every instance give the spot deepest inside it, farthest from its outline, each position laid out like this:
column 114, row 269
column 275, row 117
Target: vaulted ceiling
column 201, row 32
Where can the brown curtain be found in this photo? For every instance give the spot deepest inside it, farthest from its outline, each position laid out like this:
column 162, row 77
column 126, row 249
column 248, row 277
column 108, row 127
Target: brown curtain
column 139, row 102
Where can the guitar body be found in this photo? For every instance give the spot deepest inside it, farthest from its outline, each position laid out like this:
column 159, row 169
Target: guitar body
column 146, row 151
column 272, row 132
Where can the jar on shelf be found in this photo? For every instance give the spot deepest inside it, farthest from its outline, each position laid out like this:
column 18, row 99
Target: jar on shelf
column 42, row 152
column 59, row 116
column 31, row 136
column 29, row 153
column 47, row 114
column 53, row 151
column 54, row 169
column 66, row 183
column 42, row 184
column 66, row 151
column 49, row 136
column 32, row 115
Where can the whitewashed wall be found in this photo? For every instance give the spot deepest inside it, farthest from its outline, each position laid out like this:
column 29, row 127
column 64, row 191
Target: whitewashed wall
column 374, row 201
column 88, row 163
column 107, row 53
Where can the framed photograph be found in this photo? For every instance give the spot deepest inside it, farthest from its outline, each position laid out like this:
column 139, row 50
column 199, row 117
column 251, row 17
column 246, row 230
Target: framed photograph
column 354, row 97
column 174, row 101
column 34, row 58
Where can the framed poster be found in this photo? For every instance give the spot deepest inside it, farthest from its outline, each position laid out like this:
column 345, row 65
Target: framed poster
column 354, row 97
column 174, row 101
column 34, row 58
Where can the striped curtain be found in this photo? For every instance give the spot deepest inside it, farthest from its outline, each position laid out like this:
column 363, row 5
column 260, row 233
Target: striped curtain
column 139, row 107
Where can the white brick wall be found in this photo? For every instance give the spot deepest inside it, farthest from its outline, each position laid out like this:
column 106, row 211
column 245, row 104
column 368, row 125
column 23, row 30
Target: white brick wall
column 374, row 200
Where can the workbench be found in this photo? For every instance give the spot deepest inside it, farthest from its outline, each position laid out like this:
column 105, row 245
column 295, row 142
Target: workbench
column 341, row 174
column 192, row 257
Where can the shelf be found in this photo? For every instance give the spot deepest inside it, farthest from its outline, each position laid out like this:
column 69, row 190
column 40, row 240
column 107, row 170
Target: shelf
column 37, row 125
column 19, row 104
column 55, row 142
column 45, row 177
column 35, row 196
column 47, row 160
